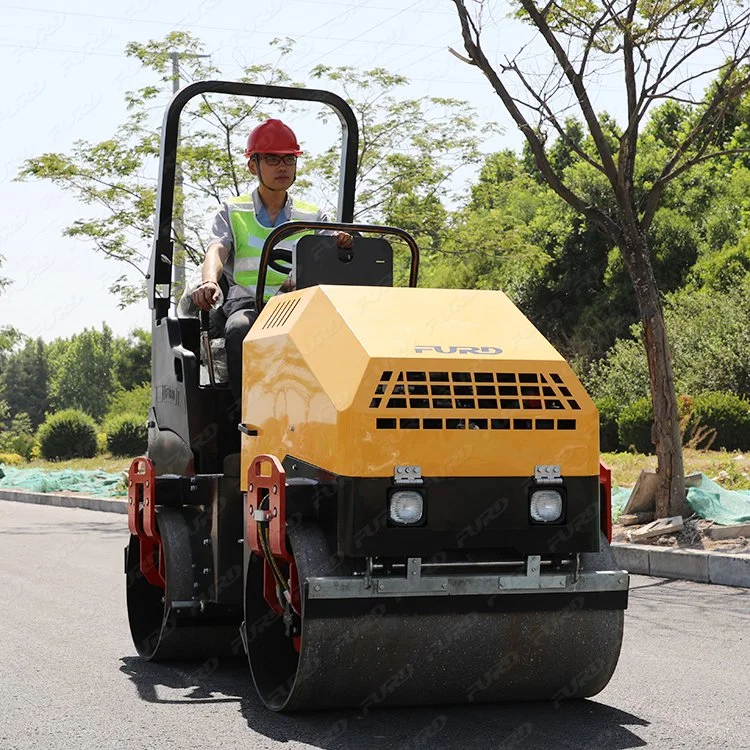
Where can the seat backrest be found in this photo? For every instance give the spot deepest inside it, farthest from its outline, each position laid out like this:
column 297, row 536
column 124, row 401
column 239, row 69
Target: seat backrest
column 320, row 261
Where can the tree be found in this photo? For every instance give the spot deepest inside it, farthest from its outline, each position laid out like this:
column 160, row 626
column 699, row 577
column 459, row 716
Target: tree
column 132, row 359
column 9, row 336
column 82, row 372
column 116, row 175
column 409, row 149
column 654, row 45
column 25, row 382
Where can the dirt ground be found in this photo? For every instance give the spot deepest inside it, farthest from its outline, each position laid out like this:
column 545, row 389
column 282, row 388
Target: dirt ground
column 692, row 536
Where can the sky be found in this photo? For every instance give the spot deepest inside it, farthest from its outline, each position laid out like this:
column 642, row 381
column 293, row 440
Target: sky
column 65, row 74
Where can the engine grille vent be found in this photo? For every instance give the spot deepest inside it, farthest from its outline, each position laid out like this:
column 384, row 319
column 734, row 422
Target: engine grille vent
column 414, row 423
column 281, row 314
column 491, row 391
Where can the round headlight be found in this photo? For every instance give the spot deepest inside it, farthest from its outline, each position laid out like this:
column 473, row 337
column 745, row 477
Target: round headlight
column 546, row 506
column 406, row 507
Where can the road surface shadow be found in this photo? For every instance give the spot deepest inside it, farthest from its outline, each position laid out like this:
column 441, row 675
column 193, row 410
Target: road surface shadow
column 568, row 725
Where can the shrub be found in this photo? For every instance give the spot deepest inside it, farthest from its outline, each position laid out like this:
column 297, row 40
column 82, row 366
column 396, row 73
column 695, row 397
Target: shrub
column 127, row 435
column 136, row 401
column 609, row 410
column 622, row 374
column 18, row 437
column 634, row 426
column 11, row 459
column 23, row 444
column 67, row 434
column 727, row 414
column 101, row 442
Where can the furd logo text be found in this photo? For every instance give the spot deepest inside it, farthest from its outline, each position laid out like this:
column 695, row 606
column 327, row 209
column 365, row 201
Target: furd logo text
column 457, row 349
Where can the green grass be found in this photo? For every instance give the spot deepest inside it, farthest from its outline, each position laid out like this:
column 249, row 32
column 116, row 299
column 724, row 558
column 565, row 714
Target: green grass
column 731, row 470
column 105, row 462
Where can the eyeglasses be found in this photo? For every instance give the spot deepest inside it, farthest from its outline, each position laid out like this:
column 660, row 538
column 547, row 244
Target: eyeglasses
column 273, row 160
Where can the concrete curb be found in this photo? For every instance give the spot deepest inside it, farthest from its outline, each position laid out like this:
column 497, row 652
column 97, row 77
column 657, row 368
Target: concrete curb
column 685, row 564
column 66, row 500
column 639, row 559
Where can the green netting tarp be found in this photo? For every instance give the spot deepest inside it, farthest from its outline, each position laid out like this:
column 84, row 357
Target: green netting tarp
column 96, row 483
column 707, row 499
column 620, row 496
column 714, row 503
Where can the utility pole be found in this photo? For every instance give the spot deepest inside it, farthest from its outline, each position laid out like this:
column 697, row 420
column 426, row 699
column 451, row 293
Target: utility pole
column 178, row 224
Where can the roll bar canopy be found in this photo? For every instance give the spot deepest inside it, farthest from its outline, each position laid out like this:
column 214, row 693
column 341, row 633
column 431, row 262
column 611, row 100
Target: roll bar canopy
column 160, row 266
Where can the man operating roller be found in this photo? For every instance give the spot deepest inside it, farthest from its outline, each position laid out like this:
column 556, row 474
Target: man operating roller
column 239, row 230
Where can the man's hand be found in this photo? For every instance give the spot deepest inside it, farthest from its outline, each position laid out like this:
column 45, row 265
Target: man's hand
column 287, row 286
column 343, row 239
column 206, row 295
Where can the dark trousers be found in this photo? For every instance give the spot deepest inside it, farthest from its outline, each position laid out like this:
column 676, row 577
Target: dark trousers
column 238, row 324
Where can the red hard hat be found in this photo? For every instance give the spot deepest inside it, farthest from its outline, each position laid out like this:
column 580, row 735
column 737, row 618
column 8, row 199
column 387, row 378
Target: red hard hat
column 272, row 137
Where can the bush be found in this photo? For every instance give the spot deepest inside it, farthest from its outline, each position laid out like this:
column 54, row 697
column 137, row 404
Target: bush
column 67, row 434
column 23, row 444
column 634, row 426
column 622, row 374
column 727, row 414
column 11, row 459
column 101, row 442
column 127, row 435
column 609, row 410
column 18, row 437
column 135, row 402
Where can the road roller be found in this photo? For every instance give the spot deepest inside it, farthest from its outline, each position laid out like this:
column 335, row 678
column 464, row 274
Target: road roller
column 408, row 507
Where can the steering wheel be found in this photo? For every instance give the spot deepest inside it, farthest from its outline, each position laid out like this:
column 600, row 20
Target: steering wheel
column 280, row 260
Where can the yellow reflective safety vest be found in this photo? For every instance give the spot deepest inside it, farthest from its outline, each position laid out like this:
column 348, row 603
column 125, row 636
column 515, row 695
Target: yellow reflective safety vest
column 249, row 235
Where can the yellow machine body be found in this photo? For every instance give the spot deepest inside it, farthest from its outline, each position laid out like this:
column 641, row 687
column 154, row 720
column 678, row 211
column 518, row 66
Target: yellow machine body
column 356, row 380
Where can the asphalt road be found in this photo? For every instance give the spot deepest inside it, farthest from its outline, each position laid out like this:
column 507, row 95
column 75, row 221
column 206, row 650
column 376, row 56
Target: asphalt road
column 69, row 676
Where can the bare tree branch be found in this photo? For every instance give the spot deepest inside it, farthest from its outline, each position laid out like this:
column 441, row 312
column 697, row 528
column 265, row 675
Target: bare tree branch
column 474, row 50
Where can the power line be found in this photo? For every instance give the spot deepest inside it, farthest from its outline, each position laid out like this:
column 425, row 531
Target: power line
column 173, row 25
column 68, row 50
column 367, row 31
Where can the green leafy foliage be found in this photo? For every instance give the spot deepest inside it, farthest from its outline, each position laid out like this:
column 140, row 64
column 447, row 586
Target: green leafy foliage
column 24, row 383
column 67, row 434
column 710, row 340
column 116, row 174
column 132, row 359
column 82, row 372
column 622, row 375
column 135, row 402
column 634, row 426
column 18, row 436
column 127, row 435
column 726, row 414
column 409, row 149
column 609, row 411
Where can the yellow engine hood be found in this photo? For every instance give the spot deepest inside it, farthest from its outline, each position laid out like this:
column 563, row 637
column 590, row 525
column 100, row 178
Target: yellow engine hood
column 356, row 380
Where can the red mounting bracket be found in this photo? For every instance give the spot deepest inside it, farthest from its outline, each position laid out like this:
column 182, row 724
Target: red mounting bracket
column 142, row 518
column 605, row 494
column 270, row 485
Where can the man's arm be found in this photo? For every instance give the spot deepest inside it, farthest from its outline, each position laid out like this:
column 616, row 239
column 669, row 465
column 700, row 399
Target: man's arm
column 207, row 293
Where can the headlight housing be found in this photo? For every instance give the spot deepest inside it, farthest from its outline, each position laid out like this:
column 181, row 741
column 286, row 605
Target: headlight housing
column 406, row 507
column 546, row 506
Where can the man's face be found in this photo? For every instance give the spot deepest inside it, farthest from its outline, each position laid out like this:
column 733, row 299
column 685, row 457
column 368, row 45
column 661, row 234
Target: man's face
column 277, row 172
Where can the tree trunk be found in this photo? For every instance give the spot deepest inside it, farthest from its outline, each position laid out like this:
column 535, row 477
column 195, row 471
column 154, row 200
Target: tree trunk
column 670, row 497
